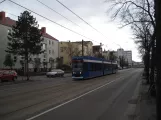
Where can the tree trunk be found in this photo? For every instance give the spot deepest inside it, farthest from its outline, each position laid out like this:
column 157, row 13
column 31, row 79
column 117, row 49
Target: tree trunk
column 152, row 64
column 158, row 56
column 148, row 65
column 27, row 67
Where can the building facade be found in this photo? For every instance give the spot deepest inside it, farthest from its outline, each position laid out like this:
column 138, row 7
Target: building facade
column 127, row 55
column 105, row 54
column 50, row 45
column 70, row 49
column 97, row 49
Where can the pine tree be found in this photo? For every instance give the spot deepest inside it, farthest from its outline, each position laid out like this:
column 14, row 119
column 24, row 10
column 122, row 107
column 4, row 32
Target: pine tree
column 25, row 39
column 8, row 62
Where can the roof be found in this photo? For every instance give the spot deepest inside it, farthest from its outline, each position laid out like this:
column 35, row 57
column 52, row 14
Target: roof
column 81, row 41
column 49, row 36
column 9, row 22
column 91, row 58
column 87, row 57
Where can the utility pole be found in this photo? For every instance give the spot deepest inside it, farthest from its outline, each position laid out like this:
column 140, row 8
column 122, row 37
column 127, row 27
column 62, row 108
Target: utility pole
column 82, row 49
column 101, row 48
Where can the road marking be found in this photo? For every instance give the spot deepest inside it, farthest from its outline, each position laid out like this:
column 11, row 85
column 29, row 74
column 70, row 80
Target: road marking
column 71, row 100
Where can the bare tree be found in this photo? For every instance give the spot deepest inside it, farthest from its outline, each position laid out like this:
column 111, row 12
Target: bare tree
column 73, row 50
column 139, row 14
column 143, row 37
column 112, row 56
column 130, row 11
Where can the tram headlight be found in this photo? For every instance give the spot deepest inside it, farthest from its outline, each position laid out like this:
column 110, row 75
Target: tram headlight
column 80, row 72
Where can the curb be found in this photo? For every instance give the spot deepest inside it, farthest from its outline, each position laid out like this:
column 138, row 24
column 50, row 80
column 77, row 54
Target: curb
column 133, row 102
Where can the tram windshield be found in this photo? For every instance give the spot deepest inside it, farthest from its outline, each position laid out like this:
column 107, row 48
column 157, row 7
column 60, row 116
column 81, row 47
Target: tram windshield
column 77, row 65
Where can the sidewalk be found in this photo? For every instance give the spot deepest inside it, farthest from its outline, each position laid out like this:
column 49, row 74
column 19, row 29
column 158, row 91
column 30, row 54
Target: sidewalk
column 22, row 79
column 146, row 105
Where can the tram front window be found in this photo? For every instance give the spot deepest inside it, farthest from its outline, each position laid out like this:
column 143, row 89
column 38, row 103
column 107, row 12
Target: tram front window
column 77, row 66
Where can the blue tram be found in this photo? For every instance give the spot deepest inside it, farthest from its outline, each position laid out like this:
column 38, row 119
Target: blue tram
column 89, row 67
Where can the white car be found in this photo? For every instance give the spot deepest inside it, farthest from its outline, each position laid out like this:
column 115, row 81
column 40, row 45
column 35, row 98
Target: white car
column 55, row 72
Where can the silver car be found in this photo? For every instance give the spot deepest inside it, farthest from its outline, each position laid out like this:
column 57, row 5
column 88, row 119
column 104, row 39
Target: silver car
column 55, row 72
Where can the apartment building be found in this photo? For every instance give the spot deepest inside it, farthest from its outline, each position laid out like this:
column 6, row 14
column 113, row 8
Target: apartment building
column 50, row 45
column 70, row 49
column 126, row 54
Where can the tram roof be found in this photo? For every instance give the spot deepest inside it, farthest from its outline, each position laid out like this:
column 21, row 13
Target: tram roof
column 89, row 58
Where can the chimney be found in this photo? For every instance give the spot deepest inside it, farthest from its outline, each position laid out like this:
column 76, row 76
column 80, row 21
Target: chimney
column 2, row 15
column 43, row 30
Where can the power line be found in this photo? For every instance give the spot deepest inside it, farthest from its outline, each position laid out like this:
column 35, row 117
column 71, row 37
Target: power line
column 57, row 13
column 52, row 21
column 81, row 18
column 2, row 1
column 12, row 14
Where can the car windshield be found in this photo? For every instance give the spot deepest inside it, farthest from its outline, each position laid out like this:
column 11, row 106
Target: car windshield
column 56, row 70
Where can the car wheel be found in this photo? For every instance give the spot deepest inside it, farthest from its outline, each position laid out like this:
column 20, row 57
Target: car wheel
column 1, row 80
column 13, row 79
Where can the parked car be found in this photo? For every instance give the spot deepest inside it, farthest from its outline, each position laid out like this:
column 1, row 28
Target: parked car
column 14, row 73
column 55, row 72
column 120, row 68
column 10, row 75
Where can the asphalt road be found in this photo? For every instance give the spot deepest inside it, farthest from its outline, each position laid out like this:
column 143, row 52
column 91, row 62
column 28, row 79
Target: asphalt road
column 64, row 99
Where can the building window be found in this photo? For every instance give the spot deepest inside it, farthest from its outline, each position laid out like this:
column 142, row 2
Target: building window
column 44, row 46
column 52, row 43
column 49, row 51
column 9, row 30
column 44, row 55
column 61, row 49
column 49, row 42
column 52, row 51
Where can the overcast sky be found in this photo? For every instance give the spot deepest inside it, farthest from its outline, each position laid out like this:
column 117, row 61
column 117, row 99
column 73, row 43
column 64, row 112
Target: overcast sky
column 92, row 11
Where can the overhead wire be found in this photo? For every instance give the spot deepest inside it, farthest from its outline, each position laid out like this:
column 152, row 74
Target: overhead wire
column 53, row 21
column 12, row 14
column 81, row 18
column 2, row 1
column 57, row 13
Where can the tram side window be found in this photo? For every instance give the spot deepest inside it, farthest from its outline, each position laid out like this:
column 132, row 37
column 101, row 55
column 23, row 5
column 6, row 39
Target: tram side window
column 98, row 66
column 91, row 66
column 106, row 67
column 85, row 66
column 95, row 66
